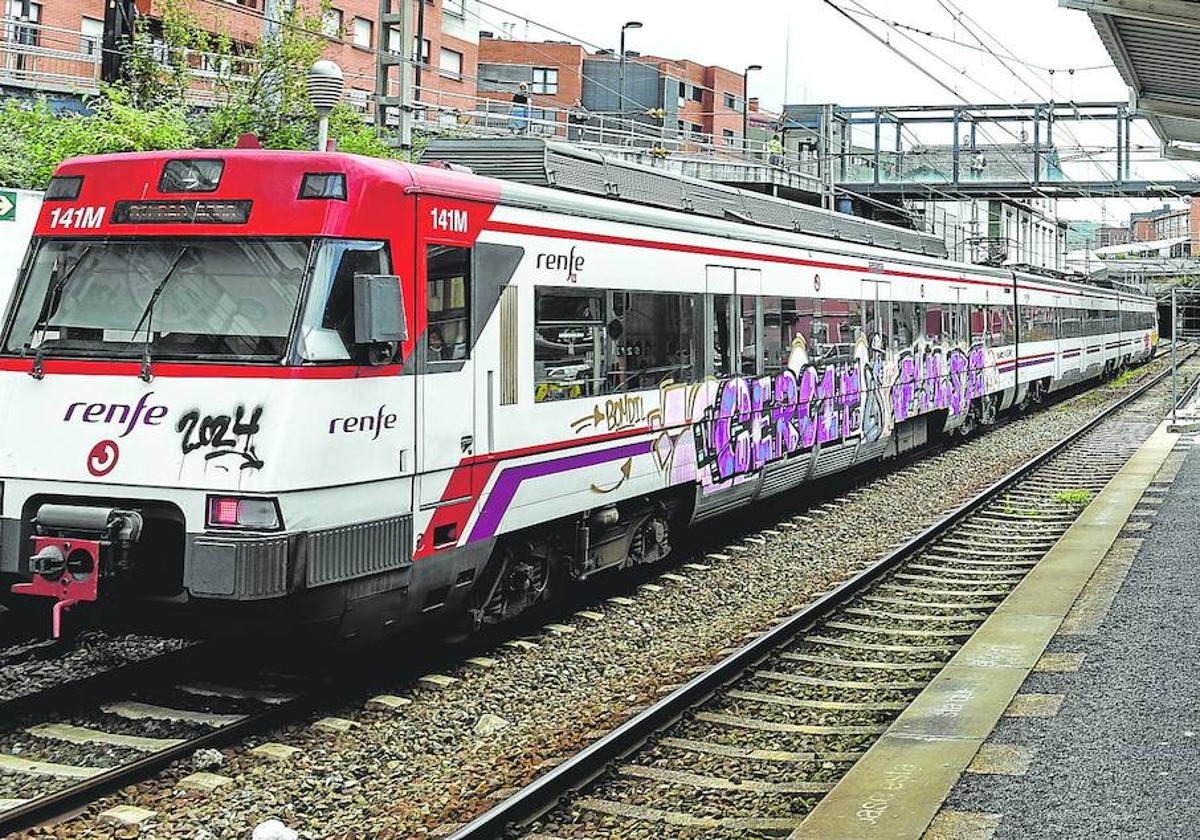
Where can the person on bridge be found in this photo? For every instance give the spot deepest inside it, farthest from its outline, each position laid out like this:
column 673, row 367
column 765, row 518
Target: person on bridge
column 775, row 150
column 519, row 113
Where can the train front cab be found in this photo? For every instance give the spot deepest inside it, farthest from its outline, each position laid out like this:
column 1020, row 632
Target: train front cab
column 221, row 395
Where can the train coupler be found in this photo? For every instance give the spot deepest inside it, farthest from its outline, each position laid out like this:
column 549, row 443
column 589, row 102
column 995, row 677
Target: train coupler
column 67, row 570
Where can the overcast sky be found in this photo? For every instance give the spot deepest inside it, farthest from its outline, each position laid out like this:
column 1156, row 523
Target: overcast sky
column 831, row 60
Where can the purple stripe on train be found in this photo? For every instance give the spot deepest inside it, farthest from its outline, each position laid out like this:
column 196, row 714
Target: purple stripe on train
column 505, row 488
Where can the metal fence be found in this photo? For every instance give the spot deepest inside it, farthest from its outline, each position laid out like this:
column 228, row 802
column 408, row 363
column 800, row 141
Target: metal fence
column 443, row 112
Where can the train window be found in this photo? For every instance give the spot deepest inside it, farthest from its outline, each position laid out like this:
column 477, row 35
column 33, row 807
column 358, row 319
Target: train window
column 651, row 341
column 935, row 322
column 876, row 322
column 1008, row 322
column 1070, row 322
column 722, row 336
column 979, row 322
column 327, row 333
column 784, row 319
column 748, row 337
column 904, row 324
column 1038, row 323
column 835, row 328
column 568, row 344
column 447, row 303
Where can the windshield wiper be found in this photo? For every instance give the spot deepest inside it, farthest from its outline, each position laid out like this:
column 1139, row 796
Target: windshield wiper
column 148, row 314
column 54, row 293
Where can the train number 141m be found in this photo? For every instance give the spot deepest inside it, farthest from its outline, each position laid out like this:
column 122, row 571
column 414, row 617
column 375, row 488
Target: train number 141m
column 454, row 221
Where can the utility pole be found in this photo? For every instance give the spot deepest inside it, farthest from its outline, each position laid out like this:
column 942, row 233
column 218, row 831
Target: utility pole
column 118, row 33
column 400, row 21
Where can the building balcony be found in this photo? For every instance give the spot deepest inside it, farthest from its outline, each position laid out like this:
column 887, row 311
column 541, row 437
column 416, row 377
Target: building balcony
column 47, row 58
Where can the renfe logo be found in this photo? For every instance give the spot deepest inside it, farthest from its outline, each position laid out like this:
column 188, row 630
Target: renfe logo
column 571, row 263
column 124, row 415
column 382, row 420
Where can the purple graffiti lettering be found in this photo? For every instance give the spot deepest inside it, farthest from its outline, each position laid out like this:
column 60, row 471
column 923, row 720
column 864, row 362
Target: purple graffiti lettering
column 851, row 378
column 827, row 394
column 958, row 374
column 783, row 414
column 976, row 386
column 807, row 407
column 761, row 436
column 904, row 389
column 731, row 437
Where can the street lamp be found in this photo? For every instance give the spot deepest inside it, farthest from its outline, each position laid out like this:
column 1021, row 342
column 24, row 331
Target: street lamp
column 746, row 106
column 633, row 24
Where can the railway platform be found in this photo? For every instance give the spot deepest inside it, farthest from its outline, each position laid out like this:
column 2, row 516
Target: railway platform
column 1072, row 711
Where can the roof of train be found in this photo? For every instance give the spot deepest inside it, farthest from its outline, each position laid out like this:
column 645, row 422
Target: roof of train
column 416, row 178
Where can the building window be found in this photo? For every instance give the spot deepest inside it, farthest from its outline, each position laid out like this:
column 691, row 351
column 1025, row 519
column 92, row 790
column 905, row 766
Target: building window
column 683, row 94
column 12, row 9
column 362, row 33
column 545, row 80
column 450, row 63
column 26, row 35
column 453, row 7
column 91, row 35
column 728, row 135
column 698, row 131
column 331, row 23
column 731, row 102
column 697, row 94
column 425, row 48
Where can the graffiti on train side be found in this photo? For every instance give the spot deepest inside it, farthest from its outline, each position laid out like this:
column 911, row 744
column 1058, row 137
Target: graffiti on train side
column 930, row 378
column 722, row 431
column 757, row 421
column 617, row 414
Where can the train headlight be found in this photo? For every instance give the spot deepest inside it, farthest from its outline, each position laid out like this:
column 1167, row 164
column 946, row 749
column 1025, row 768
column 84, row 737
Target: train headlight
column 256, row 514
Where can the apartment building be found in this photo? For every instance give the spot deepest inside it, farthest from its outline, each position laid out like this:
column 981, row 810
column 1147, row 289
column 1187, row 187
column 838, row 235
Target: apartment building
column 53, row 47
column 701, row 102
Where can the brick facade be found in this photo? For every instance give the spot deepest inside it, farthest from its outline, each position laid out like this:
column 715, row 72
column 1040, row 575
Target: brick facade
column 520, row 59
column 452, row 35
column 708, row 98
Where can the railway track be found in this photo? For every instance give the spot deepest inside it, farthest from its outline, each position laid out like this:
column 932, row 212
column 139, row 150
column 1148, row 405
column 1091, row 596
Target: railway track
column 747, row 748
column 62, row 749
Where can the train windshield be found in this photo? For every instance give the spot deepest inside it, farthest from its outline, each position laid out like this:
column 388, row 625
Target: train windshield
column 221, row 298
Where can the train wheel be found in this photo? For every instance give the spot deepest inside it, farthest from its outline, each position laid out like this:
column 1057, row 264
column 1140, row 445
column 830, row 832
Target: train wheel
column 519, row 577
column 969, row 423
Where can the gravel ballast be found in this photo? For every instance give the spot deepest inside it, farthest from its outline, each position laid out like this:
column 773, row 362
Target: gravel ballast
column 445, row 757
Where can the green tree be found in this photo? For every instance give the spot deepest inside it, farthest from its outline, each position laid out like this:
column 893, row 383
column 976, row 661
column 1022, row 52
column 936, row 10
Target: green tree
column 160, row 104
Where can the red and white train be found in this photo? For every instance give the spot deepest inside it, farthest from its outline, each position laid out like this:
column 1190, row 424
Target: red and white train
column 280, row 389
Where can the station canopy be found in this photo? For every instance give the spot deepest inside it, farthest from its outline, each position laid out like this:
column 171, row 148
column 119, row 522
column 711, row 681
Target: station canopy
column 1154, row 45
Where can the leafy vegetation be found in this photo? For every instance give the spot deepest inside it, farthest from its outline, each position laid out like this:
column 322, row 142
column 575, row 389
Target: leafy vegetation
column 258, row 89
column 1076, row 497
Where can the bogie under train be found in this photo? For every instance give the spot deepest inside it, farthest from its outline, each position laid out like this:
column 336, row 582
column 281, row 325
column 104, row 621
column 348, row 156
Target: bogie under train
column 273, row 390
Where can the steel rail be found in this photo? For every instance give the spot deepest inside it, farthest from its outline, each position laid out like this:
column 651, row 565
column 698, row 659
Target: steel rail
column 57, row 804
column 544, row 792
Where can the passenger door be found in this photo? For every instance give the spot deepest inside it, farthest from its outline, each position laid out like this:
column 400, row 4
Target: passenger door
column 734, row 321
column 446, row 383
